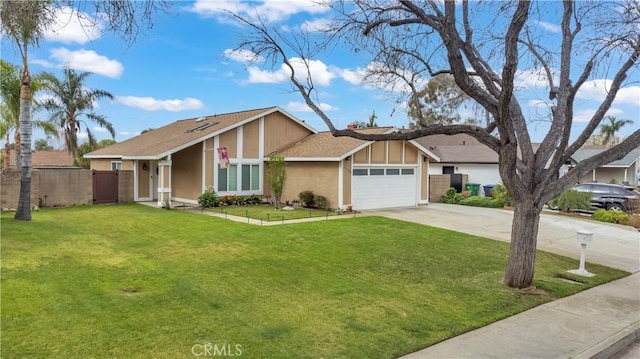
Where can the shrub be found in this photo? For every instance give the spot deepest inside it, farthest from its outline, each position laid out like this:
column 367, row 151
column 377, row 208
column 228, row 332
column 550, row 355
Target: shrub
column 501, row 193
column 451, row 197
column 572, row 200
column 466, row 194
column 633, row 221
column 321, row 202
column 307, row 198
column 603, row 215
column 477, row 201
column 209, row 199
column 253, row 199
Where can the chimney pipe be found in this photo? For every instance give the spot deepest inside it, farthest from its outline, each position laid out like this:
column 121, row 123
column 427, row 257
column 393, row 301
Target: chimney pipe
column 352, row 126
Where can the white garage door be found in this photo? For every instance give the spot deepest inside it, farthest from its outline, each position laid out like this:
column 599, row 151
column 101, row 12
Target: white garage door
column 373, row 188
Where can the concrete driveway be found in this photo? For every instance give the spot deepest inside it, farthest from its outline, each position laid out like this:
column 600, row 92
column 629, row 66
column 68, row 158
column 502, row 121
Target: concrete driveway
column 615, row 246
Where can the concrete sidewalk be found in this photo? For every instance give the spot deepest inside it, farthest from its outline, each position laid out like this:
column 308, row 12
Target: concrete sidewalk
column 595, row 323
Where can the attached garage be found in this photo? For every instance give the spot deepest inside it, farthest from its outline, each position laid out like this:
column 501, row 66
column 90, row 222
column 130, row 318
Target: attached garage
column 384, row 187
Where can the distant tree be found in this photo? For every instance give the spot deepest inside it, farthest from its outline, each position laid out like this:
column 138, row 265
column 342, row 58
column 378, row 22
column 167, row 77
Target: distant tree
column 438, row 103
column 276, row 172
column 609, row 130
column 70, row 101
column 87, row 147
column 147, row 130
column 371, row 123
column 42, row 145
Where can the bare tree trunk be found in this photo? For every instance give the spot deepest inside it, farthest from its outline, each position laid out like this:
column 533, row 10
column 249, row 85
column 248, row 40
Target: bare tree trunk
column 524, row 238
column 16, row 140
column 23, row 212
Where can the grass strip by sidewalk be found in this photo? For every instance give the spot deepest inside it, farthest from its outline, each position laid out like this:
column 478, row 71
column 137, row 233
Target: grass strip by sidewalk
column 134, row 281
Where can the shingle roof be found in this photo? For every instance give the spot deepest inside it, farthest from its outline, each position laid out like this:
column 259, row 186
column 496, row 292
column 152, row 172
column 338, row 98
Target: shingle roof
column 584, row 153
column 459, row 148
column 46, row 158
column 163, row 140
column 324, row 144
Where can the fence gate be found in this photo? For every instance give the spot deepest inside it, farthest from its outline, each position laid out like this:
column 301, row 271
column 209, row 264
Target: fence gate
column 105, row 187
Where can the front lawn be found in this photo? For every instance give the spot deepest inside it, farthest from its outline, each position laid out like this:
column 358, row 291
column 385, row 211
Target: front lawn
column 268, row 213
column 133, row 281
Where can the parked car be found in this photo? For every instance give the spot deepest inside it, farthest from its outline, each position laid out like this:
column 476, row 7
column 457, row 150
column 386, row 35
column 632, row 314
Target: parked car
column 610, row 196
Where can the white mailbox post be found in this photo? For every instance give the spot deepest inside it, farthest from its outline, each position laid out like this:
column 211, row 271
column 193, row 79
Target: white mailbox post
column 584, row 237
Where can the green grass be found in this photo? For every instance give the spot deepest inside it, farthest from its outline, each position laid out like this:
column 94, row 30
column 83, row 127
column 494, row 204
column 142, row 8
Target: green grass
column 270, row 214
column 131, row 281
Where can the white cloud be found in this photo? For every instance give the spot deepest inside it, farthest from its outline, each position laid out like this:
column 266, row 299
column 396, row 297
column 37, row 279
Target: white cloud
column 151, row 104
column 320, row 73
column 73, row 26
column 124, row 133
column 548, row 26
column 316, row 25
column 268, row 10
column 379, row 78
column 539, row 103
column 83, row 60
column 531, row 78
column 302, row 107
column 586, row 114
column 99, row 129
column 596, row 90
column 244, row 56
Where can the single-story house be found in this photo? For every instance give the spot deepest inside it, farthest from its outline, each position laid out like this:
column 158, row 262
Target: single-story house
column 229, row 154
column 625, row 170
column 45, row 159
column 463, row 154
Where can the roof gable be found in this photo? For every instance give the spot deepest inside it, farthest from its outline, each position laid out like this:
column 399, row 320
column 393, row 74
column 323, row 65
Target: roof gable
column 181, row 134
column 584, row 153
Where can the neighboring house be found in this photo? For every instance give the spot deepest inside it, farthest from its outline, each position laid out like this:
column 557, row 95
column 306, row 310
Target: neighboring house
column 180, row 161
column 463, row 154
column 625, row 170
column 46, row 159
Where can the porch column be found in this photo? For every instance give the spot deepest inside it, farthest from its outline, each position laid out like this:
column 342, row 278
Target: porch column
column 164, row 182
column 593, row 176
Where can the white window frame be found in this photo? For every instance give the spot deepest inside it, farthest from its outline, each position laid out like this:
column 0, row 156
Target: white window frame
column 118, row 165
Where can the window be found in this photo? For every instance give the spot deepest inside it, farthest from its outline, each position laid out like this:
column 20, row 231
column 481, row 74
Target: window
column 407, row 171
column 116, row 165
column 250, row 177
column 376, row 172
column 360, row 172
column 228, row 178
column 393, row 171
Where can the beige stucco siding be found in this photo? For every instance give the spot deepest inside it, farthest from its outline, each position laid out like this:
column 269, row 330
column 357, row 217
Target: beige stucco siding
column 346, row 182
column 410, row 154
column 609, row 175
column 319, row 177
column 361, row 156
column 209, row 152
column 250, row 139
column 186, row 173
column 104, row 164
column 280, row 130
column 395, row 151
column 230, row 139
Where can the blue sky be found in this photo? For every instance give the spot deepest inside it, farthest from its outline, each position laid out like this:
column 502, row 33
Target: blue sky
column 184, row 67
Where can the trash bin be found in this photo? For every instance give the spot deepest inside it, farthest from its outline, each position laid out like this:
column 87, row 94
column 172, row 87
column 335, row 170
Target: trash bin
column 488, row 190
column 474, row 188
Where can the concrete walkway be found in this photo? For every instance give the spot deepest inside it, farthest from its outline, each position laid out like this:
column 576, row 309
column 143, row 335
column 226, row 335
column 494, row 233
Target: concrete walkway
column 595, row 323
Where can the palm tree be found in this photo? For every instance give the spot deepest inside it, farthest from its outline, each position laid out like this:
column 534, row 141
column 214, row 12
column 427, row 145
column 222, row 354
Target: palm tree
column 24, row 22
column 608, row 131
column 10, row 109
column 71, row 100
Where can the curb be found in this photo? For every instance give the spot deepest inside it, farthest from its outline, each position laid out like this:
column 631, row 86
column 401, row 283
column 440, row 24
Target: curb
column 612, row 345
